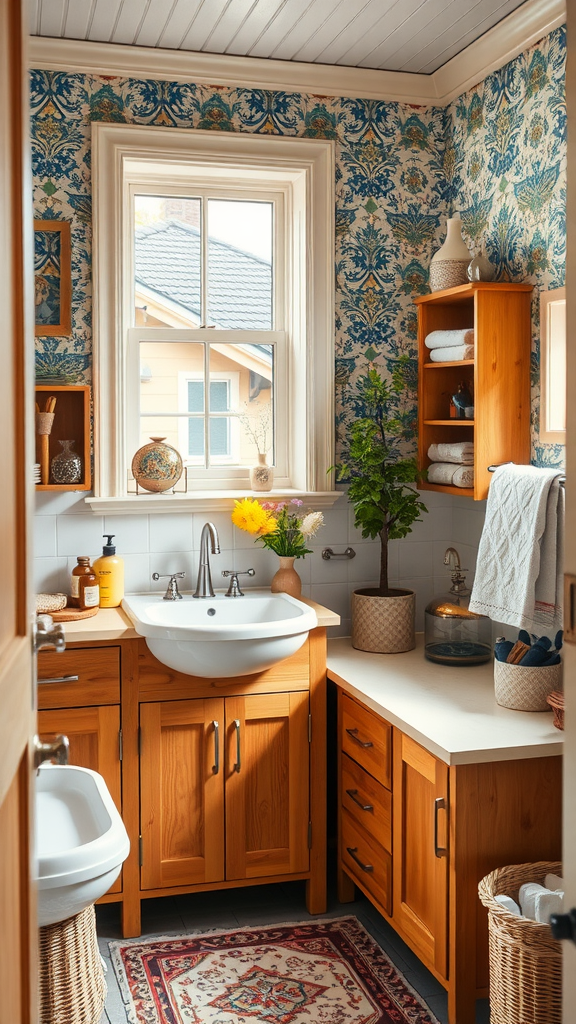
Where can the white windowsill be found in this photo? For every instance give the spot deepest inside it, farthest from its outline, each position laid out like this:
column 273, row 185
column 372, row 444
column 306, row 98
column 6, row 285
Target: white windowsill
column 205, row 501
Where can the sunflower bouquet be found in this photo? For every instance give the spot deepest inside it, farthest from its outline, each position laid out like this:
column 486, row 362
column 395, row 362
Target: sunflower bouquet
column 279, row 525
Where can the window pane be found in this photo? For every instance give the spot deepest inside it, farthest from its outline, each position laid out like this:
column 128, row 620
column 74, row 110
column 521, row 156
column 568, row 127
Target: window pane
column 249, row 370
column 171, row 385
column 167, row 275
column 240, row 264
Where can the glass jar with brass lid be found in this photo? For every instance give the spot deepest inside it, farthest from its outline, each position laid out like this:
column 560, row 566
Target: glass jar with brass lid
column 453, row 635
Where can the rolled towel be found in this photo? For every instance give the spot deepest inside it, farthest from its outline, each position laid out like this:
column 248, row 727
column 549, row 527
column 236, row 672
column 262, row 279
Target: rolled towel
column 448, row 339
column 527, row 896
column 547, row 903
column 461, row 452
column 509, row 904
column 554, row 882
column 450, row 474
column 452, row 355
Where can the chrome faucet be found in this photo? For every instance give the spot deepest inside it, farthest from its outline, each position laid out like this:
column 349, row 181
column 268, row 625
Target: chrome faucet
column 204, row 586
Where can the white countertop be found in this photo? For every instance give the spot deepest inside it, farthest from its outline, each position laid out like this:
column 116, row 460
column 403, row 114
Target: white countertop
column 450, row 710
column 114, row 624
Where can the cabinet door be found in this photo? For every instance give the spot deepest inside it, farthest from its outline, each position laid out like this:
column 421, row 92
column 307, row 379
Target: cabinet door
column 182, row 792
column 420, row 893
column 267, row 785
column 94, row 736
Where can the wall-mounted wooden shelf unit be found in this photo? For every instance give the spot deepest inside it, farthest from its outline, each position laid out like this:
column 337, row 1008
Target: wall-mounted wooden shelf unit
column 71, row 422
column 499, row 377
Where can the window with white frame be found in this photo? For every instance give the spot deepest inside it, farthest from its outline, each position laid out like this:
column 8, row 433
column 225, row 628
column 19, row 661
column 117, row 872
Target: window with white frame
column 214, row 305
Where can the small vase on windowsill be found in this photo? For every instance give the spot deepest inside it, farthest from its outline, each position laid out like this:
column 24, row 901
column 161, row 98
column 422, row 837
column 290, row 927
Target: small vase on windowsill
column 261, row 475
column 286, row 580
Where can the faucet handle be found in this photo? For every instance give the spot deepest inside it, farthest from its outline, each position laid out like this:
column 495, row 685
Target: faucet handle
column 55, row 750
column 234, row 588
column 172, row 592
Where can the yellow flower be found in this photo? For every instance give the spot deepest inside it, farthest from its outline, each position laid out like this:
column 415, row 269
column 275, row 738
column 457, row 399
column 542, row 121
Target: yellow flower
column 249, row 515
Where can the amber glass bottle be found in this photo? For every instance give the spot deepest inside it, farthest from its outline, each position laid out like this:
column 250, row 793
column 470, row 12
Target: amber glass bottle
column 85, row 592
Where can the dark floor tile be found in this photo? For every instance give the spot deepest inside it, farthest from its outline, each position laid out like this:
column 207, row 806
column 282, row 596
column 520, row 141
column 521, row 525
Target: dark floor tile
column 439, row 1007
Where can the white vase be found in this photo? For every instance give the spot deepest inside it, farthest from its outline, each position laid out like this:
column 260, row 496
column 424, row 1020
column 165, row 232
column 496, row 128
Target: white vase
column 449, row 266
column 261, row 475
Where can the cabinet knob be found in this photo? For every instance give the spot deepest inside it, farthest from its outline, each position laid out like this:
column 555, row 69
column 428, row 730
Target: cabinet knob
column 564, row 925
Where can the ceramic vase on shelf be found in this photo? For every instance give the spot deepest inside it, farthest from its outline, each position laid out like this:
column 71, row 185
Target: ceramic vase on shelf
column 480, row 269
column 449, row 266
column 157, row 466
column 66, row 467
column 261, row 475
column 286, row 580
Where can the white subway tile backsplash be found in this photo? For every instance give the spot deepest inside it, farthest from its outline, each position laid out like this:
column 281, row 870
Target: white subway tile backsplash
column 130, row 533
column 333, row 570
column 332, row 595
column 50, row 576
column 59, row 503
column 170, row 532
column 44, row 537
column 166, row 562
column 79, row 535
column 227, row 532
column 137, row 574
column 366, row 564
column 415, row 559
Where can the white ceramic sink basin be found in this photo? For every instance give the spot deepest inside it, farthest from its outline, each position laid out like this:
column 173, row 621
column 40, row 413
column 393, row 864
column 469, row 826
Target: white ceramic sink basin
column 81, row 841
column 219, row 637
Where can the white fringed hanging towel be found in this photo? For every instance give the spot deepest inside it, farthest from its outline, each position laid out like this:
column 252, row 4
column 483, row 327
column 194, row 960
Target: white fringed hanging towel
column 520, row 558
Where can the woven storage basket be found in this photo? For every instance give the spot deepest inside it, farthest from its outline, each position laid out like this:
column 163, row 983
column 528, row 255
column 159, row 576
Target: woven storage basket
column 525, row 961
column 72, row 986
column 525, row 688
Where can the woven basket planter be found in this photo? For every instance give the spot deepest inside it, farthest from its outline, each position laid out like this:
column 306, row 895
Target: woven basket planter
column 525, row 688
column 525, row 961
column 383, row 625
column 72, row 986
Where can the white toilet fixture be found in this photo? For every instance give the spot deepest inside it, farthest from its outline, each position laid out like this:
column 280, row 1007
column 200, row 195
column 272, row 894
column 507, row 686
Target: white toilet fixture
column 81, row 841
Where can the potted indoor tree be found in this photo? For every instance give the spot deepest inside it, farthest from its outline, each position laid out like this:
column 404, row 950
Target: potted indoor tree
column 385, row 506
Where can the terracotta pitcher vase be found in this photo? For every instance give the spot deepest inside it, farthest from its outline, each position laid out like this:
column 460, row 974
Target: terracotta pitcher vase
column 286, row 580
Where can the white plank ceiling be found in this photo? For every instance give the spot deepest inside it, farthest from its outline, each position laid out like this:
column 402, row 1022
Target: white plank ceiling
column 394, row 35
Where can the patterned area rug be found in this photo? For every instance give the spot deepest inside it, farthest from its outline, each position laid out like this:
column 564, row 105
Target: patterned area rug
column 326, row 972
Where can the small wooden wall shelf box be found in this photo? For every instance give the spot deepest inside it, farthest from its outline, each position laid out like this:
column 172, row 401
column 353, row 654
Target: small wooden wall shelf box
column 71, row 422
column 499, row 376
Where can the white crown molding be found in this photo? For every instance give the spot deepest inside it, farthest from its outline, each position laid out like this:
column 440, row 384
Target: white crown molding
column 497, row 47
column 530, row 22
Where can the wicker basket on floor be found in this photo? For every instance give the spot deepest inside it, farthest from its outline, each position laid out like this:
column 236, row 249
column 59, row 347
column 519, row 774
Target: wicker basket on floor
column 525, row 961
column 72, row 986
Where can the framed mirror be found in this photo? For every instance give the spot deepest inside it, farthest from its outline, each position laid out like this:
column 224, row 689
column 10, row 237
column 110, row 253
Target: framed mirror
column 553, row 366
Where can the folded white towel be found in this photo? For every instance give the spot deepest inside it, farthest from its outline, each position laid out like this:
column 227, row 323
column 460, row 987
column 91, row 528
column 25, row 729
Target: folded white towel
column 509, row 904
column 527, row 897
column 452, row 355
column 519, row 566
column 460, row 451
column 548, row 903
column 450, row 474
column 554, row 882
column 448, row 339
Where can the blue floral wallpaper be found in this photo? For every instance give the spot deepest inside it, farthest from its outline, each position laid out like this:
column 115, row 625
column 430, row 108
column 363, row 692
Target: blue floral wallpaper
column 497, row 154
column 505, row 165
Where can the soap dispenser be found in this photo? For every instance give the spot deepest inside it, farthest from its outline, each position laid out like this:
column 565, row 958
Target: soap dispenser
column 109, row 569
column 453, row 635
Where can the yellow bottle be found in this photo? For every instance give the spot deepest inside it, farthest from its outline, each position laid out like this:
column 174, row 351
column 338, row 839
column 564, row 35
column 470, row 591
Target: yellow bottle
column 110, row 572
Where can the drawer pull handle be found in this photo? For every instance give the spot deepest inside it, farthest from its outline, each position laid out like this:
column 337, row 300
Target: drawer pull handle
column 362, row 743
column 353, row 794
column 439, row 805
column 59, row 679
column 238, row 764
column 216, row 765
column 353, row 851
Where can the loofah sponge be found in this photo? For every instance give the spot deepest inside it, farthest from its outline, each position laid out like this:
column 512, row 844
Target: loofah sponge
column 50, row 602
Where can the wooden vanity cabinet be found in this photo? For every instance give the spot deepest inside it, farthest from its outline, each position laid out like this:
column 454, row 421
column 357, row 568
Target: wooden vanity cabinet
column 418, row 845
column 79, row 695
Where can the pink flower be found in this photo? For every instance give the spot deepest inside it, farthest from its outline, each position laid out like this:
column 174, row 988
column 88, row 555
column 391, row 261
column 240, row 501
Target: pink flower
column 296, row 501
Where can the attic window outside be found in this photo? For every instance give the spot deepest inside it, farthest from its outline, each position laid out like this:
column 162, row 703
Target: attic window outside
column 213, row 266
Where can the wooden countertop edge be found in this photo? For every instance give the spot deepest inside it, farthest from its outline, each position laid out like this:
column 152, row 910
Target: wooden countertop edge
column 114, row 624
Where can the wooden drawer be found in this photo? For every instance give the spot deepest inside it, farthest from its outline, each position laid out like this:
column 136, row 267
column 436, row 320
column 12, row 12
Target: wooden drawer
column 367, row 801
column 98, row 677
column 366, row 861
column 367, row 739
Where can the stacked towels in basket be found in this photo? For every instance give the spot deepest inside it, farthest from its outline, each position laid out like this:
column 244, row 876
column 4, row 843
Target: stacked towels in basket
column 450, row 346
column 537, row 902
column 452, row 464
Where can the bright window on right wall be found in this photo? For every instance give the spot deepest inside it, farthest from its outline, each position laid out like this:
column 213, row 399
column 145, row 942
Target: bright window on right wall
column 553, row 366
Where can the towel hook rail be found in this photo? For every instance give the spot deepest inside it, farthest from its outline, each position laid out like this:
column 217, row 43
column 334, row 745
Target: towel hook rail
column 491, row 469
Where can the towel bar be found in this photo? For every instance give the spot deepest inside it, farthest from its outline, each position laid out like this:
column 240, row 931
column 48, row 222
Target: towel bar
column 492, row 468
